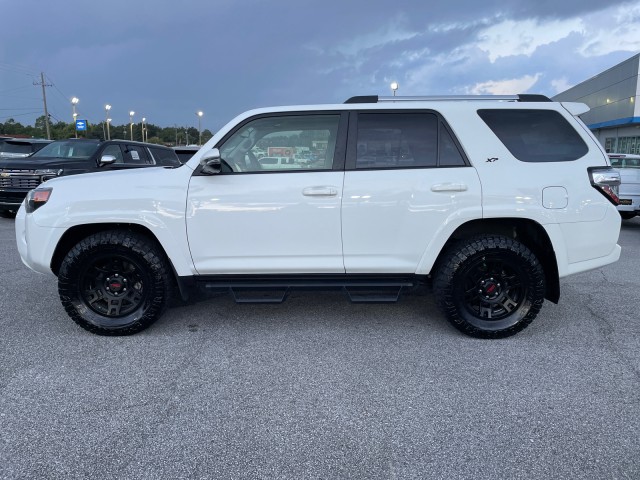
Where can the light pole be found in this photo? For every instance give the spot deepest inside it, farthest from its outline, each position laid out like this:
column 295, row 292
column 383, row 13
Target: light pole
column 199, row 113
column 74, row 102
column 394, row 87
column 142, row 124
column 107, row 107
column 131, row 114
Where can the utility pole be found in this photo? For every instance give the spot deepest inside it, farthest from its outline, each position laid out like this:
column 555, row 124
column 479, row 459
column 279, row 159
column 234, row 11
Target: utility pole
column 44, row 99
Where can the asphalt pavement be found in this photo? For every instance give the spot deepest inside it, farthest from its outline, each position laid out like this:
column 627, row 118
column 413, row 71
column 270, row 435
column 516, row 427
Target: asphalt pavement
column 318, row 387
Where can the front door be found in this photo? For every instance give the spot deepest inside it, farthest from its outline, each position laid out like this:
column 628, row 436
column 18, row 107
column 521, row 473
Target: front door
column 275, row 207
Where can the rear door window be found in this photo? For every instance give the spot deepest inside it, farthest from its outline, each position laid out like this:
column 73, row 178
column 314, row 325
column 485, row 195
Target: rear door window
column 136, row 155
column 402, row 140
column 535, row 135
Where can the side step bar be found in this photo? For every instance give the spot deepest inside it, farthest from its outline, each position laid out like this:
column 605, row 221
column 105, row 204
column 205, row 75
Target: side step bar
column 275, row 289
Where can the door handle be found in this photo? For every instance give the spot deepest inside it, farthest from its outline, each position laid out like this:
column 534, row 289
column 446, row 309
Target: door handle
column 320, row 192
column 449, row 187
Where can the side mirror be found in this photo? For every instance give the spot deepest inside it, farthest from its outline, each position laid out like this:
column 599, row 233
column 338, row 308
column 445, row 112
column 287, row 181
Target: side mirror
column 211, row 162
column 106, row 160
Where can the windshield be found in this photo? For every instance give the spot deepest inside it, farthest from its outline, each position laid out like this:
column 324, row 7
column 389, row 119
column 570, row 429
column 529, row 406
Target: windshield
column 620, row 162
column 68, row 149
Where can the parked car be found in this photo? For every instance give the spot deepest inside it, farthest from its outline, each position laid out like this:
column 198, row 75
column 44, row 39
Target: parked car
column 629, row 168
column 20, row 147
column 185, row 152
column 491, row 199
column 69, row 157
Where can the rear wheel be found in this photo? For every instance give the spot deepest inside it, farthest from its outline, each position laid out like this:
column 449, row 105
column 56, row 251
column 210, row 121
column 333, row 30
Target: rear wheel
column 627, row 215
column 114, row 283
column 489, row 286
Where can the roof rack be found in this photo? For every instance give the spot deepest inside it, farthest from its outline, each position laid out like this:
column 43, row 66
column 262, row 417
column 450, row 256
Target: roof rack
column 445, row 98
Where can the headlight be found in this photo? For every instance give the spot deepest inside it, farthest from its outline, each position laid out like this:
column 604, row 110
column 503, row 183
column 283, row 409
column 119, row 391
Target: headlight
column 37, row 198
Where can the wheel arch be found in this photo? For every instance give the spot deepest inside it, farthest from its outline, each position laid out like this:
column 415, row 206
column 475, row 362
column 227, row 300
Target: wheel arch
column 76, row 233
column 528, row 232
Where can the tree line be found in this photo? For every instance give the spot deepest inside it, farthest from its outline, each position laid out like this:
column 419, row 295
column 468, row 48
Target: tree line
column 61, row 130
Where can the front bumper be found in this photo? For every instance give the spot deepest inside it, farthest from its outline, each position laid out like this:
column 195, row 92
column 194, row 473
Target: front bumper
column 38, row 252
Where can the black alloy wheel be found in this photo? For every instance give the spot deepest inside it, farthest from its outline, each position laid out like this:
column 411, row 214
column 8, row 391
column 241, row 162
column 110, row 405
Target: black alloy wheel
column 490, row 286
column 114, row 283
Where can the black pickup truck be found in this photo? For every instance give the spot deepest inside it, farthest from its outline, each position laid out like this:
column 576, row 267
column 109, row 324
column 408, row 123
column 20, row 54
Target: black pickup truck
column 68, row 157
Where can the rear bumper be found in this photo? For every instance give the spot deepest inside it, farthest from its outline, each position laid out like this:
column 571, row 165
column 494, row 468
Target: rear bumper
column 583, row 246
column 629, row 203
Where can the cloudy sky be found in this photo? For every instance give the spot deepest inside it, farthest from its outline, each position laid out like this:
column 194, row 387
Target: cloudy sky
column 167, row 59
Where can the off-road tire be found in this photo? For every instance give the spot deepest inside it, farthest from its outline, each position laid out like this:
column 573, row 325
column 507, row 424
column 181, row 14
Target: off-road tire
column 489, row 286
column 114, row 282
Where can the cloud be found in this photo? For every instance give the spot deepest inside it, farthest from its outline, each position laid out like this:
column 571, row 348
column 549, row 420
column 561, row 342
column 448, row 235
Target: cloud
column 615, row 31
column 560, row 84
column 523, row 37
column 394, row 32
column 505, row 87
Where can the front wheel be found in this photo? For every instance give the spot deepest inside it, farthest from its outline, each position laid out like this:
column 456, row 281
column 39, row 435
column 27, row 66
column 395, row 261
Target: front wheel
column 114, row 283
column 627, row 215
column 489, row 286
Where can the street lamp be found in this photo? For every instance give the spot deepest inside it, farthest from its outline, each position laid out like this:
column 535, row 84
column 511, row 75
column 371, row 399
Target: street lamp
column 394, row 87
column 143, row 129
column 199, row 113
column 74, row 102
column 107, row 107
column 131, row 114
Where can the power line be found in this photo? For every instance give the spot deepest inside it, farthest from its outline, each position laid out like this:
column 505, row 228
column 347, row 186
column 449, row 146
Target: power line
column 21, row 114
column 18, row 69
column 14, row 89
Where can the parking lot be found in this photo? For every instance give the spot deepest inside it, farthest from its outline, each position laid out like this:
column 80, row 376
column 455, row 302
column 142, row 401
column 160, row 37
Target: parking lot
column 317, row 387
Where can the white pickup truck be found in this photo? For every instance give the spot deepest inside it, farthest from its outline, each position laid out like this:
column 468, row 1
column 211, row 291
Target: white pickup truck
column 629, row 167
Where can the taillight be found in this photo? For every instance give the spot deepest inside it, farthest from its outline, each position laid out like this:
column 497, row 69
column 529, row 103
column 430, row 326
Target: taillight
column 37, row 198
column 606, row 180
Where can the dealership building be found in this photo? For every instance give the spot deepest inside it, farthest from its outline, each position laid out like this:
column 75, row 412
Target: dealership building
column 612, row 95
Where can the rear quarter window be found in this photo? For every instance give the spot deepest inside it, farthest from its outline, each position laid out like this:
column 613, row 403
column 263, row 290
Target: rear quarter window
column 535, row 135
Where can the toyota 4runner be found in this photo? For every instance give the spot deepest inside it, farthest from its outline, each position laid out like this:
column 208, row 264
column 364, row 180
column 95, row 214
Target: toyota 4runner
column 491, row 199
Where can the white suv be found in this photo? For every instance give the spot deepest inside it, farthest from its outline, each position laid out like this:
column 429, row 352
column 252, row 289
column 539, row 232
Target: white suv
column 492, row 199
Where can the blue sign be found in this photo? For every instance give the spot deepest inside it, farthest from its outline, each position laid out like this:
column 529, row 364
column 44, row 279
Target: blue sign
column 81, row 124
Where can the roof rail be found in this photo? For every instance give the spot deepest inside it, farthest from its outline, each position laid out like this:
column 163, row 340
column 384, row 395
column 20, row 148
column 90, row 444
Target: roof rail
column 444, row 98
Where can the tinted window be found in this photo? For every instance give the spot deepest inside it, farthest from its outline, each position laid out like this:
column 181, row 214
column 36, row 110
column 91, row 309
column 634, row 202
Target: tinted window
column 114, row 150
column 16, row 147
column 299, row 142
column 184, row 154
column 164, row 156
column 449, row 154
column 397, row 140
column 135, row 155
column 535, row 135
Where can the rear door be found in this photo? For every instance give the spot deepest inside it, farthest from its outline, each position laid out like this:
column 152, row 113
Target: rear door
column 406, row 182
